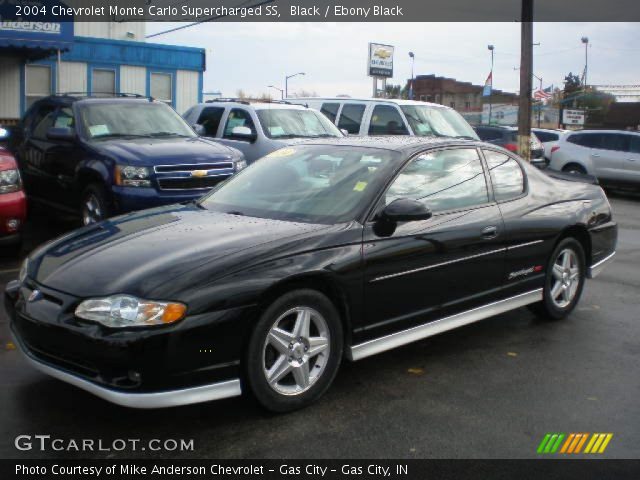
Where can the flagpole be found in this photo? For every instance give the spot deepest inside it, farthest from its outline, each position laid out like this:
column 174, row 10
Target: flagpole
column 491, row 47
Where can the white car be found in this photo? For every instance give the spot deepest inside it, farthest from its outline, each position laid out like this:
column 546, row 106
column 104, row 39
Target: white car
column 613, row 156
column 549, row 138
column 388, row 116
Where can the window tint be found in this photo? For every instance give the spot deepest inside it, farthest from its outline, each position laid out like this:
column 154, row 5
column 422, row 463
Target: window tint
column 210, row 119
column 615, row 141
column 330, row 110
column 634, row 143
column 238, row 118
column 547, row 136
column 488, row 133
column 591, row 140
column 351, row 117
column 386, row 120
column 506, row 175
column 44, row 124
column 445, row 180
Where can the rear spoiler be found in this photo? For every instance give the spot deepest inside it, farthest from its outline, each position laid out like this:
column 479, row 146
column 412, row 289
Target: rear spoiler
column 572, row 177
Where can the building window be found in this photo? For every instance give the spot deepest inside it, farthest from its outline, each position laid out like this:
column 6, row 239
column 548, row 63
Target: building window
column 161, row 87
column 103, row 81
column 38, row 82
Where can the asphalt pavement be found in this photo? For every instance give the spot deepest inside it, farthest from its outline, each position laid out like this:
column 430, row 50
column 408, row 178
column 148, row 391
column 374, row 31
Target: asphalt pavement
column 489, row 390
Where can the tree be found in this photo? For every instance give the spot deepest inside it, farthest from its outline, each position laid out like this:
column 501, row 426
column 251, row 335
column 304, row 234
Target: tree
column 572, row 84
column 392, row 91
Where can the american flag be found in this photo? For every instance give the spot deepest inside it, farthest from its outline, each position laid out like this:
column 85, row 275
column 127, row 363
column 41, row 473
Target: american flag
column 543, row 94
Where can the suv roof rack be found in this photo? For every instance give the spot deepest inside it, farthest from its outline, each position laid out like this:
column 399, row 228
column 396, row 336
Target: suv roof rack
column 236, row 100
column 102, row 95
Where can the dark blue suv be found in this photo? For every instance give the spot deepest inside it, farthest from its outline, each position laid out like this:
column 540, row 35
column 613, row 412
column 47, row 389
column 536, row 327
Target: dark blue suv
column 102, row 156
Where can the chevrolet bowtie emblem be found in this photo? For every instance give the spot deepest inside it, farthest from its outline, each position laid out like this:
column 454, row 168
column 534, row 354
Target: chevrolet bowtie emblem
column 199, row 173
column 35, row 295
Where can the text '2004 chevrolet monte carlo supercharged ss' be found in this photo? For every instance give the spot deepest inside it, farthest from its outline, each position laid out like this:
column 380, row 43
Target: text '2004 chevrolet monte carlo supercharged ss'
column 322, row 251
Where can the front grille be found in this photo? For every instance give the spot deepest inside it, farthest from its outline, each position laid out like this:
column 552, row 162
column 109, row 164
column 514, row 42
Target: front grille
column 190, row 183
column 192, row 167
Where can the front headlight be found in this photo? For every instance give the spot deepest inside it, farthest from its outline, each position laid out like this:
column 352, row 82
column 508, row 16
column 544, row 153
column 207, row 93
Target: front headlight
column 126, row 311
column 22, row 276
column 130, row 176
column 240, row 164
column 10, row 181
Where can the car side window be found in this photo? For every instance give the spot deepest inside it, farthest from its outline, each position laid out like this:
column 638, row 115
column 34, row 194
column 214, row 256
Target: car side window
column 42, row 125
column 443, row 180
column 238, row 118
column 330, row 110
column 487, row 133
column 210, row 120
column 386, row 120
column 615, row 141
column 589, row 140
column 35, row 116
column 506, row 175
column 64, row 119
column 351, row 117
column 634, row 143
column 547, row 136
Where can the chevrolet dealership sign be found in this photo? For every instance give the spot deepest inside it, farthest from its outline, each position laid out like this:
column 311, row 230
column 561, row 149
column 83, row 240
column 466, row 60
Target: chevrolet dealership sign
column 380, row 60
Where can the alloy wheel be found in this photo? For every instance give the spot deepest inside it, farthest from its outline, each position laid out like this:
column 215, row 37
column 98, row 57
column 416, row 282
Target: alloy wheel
column 296, row 350
column 566, row 278
column 91, row 211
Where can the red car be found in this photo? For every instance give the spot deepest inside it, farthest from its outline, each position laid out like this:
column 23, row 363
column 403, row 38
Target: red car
column 13, row 202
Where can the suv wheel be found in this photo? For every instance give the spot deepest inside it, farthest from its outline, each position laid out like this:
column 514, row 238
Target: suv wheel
column 294, row 351
column 564, row 280
column 95, row 207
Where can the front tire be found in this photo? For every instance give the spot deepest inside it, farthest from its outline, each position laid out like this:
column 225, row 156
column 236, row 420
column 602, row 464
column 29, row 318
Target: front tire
column 574, row 169
column 295, row 351
column 564, row 281
column 95, row 206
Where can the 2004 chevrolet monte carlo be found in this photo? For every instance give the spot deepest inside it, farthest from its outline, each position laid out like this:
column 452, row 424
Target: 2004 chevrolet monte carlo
column 324, row 250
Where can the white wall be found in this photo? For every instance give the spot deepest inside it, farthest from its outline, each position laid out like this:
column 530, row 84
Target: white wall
column 10, row 88
column 113, row 30
column 133, row 79
column 186, row 90
column 73, row 77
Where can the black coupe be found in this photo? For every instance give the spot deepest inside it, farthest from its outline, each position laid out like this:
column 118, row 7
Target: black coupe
column 323, row 250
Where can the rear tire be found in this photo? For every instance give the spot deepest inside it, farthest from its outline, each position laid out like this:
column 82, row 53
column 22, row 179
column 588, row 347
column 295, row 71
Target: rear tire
column 294, row 351
column 564, row 281
column 94, row 205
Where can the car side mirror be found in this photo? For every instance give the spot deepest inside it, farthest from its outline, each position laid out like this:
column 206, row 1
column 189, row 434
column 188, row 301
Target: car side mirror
column 243, row 133
column 61, row 133
column 406, row 210
column 199, row 129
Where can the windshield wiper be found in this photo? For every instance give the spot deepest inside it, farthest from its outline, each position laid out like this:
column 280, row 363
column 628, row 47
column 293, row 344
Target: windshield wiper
column 166, row 134
column 235, row 212
column 119, row 135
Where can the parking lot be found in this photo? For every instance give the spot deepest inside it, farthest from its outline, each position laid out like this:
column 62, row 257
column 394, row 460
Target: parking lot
column 489, row 390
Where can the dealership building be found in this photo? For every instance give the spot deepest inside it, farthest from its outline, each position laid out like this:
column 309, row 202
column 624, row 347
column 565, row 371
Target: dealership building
column 42, row 58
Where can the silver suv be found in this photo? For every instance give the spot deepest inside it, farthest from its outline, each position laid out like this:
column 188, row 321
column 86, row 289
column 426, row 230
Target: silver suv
column 611, row 155
column 257, row 128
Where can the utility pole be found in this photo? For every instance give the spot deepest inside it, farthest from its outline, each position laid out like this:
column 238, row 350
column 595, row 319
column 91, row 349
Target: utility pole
column 585, row 40
column 491, row 48
column 526, row 74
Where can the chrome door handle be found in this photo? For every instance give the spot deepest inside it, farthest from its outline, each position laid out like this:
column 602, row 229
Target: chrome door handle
column 490, row 232
column 595, row 155
column 631, row 159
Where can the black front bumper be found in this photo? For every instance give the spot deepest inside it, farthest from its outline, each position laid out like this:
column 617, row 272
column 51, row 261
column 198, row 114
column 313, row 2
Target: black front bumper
column 198, row 352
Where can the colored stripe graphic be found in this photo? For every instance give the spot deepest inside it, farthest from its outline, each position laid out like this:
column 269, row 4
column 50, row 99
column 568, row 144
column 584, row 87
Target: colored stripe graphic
column 572, row 443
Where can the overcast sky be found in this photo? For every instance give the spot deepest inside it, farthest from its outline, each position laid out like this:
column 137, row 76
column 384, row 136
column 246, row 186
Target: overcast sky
column 250, row 56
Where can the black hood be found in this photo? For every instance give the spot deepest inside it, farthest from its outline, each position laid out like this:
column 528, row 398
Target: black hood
column 140, row 253
column 164, row 151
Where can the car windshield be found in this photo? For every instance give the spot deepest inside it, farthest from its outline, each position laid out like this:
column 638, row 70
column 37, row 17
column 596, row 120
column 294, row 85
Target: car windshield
column 292, row 123
column 437, row 121
column 102, row 120
column 310, row 183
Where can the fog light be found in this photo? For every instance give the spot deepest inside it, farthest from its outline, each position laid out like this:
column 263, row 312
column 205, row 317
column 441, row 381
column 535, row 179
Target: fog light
column 13, row 224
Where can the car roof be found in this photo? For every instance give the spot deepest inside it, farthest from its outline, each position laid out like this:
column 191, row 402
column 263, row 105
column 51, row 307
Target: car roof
column 398, row 143
column 497, row 127
column 396, row 101
column 68, row 99
column 604, row 131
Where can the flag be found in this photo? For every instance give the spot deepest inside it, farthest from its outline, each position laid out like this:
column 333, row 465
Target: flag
column 488, row 85
column 543, row 94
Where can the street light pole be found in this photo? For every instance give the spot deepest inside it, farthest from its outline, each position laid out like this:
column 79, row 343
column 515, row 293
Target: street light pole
column 281, row 91
column 585, row 40
column 491, row 49
column 413, row 60
column 526, row 76
column 286, row 83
